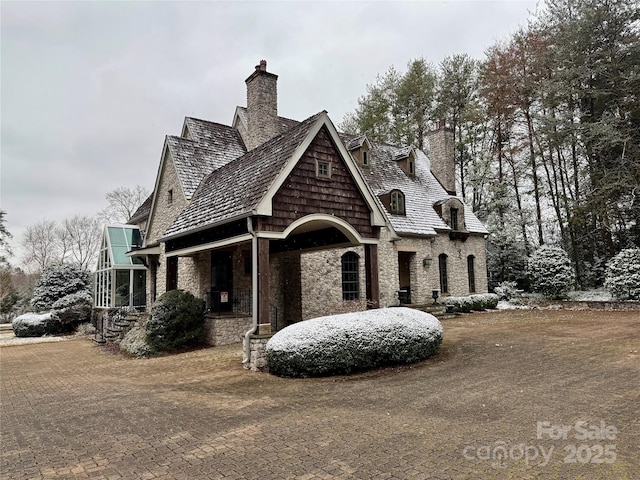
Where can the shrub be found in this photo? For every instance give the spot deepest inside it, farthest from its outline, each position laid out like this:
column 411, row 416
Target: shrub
column 551, row 272
column 58, row 281
column 623, row 275
column 506, row 290
column 477, row 302
column 36, row 325
column 177, row 320
column 353, row 342
column 135, row 343
column 74, row 308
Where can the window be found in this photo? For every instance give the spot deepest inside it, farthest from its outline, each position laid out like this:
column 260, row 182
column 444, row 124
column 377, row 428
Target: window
column 350, row 276
column 365, row 158
column 323, row 169
column 120, row 280
column 170, row 196
column 444, row 283
column 397, row 202
column 412, row 168
column 454, row 218
column 471, row 270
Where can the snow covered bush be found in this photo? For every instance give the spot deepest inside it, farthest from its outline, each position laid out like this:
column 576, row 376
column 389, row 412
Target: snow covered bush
column 36, row 325
column 177, row 320
column 623, row 275
column 551, row 271
column 135, row 343
column 477, row 302
column 506, row 290
column 74, row 308
column 353, row 342
column 58, row 281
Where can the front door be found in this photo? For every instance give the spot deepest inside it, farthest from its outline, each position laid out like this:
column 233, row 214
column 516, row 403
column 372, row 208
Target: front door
column 404, row 269
column 221, row 281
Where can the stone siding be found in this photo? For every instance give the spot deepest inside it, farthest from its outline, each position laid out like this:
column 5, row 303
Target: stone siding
column 226, row 330
column 441, row 156
column 194, row 274
column 322, row 283
column 262, row 107
column 165, row 212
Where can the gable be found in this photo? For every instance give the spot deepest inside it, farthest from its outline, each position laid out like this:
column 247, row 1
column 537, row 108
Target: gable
column 168, row 199
column 304, row 192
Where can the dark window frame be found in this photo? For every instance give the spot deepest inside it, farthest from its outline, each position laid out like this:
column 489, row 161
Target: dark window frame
column 350, row 262
column 453, row 212
column 471, row 273
column 444, row 279
column 397, row 203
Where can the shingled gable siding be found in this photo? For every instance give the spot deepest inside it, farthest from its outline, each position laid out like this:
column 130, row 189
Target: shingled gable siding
column 303, row 193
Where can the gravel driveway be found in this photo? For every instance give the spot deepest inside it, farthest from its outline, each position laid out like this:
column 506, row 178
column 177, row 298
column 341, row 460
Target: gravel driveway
column 538, row 394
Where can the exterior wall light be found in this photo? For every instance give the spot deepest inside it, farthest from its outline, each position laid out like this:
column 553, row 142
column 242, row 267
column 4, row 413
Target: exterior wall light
column 426, row 262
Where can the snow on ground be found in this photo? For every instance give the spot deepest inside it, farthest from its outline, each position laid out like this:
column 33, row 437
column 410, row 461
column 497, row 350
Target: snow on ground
column 7, row 340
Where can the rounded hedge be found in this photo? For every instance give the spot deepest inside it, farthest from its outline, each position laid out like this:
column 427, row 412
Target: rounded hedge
column 623, row 275
column 551, row 271
column 353, row 342
column 36, row 324
column 177, row 320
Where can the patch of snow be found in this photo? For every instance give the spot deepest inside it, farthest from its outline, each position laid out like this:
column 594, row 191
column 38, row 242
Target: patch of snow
column 34, row 318
column 599, row 295
column 6, row 341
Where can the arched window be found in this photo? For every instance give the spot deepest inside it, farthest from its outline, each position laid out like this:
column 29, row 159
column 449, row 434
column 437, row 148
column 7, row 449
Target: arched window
column 397, row 202
column 350, row 276
column 471, row 271
column 444, row 282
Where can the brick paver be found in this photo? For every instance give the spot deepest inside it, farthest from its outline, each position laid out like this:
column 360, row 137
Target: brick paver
column 71, row 410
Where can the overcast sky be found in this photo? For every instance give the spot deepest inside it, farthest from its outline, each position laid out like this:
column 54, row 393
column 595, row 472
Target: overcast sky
column 90, row 89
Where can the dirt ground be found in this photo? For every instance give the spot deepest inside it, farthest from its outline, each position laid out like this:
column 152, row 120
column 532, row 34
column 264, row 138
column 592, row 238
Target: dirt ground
column 527, row 394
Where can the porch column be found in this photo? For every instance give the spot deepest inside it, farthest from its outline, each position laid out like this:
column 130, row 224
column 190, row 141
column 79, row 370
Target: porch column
column 264, row 320
column 371, row 274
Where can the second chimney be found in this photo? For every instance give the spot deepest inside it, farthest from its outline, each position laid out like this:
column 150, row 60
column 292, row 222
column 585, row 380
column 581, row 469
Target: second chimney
column 262, row 106
column 441, row 155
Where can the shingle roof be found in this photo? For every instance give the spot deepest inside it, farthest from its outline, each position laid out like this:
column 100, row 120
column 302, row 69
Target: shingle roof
column 142, row 212
column 237, row 188
column 284, row 124
column 421, row 191
column 210, row 147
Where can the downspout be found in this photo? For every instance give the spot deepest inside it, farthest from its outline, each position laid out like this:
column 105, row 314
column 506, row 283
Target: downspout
column 254, row 297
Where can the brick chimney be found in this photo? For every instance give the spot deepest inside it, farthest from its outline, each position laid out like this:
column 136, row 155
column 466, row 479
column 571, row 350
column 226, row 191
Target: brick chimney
column 262, row 106
column 441, row 155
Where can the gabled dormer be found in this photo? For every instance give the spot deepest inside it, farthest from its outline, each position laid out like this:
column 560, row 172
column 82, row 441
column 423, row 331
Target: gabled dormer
column 360, row 148
column 394, row 201
column 406, row 160
column 451, row 210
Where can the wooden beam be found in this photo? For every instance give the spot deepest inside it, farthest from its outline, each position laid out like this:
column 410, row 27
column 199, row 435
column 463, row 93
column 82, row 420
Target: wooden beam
column 371, row 274
column 263, row 286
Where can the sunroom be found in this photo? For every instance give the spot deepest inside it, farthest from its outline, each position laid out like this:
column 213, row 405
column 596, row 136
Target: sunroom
column 120, row 280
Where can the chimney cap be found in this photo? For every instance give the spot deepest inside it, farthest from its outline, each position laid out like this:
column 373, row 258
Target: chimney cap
column 262, row 67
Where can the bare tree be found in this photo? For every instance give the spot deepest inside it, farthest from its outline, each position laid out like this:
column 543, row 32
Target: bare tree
column 123, row 202
column 82, row 234
column 41, row 245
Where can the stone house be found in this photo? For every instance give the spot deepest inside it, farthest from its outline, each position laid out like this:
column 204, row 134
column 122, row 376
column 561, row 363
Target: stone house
column 273, row 221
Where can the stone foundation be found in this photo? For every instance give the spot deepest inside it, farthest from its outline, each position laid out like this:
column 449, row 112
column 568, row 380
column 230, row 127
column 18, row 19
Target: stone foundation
column 226, row 330
column 257, row 353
